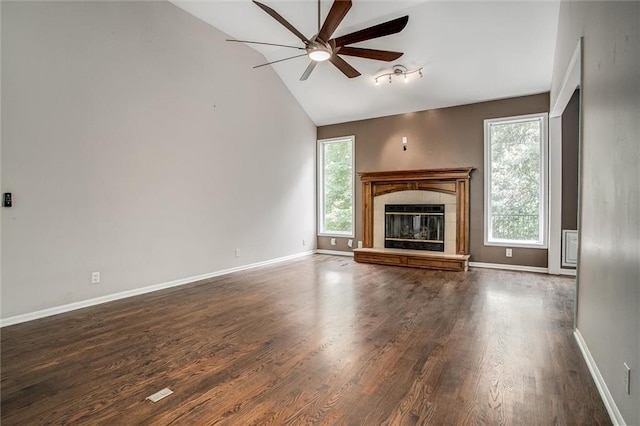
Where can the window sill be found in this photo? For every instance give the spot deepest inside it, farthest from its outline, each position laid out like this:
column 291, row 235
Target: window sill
column 513, row 244
column 335, row 235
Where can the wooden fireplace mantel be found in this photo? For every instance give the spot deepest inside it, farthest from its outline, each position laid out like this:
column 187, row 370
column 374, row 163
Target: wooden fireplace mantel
column 453, row 181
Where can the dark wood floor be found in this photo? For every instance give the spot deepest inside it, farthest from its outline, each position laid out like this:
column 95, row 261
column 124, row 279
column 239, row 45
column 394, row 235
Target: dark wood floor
column 320, row 340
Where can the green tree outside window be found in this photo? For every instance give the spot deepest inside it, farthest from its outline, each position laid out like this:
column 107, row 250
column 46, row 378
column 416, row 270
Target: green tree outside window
column 337, row 186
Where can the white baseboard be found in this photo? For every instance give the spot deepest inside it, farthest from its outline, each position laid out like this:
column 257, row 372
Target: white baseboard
column 135, row 292
column 568, row 272
column 609, row 403
column 509, row 267
column 336, row 252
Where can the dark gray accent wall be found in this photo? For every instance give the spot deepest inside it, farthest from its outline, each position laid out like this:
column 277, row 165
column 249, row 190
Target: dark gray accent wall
column 570, row 151
column 570, row 135
column 446, row 137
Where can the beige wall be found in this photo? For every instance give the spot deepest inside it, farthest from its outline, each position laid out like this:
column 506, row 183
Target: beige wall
column 608, row 316
column 138, row 143
column 445, row 137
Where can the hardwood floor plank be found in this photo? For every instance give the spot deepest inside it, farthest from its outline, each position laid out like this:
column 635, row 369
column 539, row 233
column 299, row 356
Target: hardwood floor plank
column 318, row 340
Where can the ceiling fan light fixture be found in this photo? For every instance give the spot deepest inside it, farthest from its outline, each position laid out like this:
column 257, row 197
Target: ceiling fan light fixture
column 319, row 53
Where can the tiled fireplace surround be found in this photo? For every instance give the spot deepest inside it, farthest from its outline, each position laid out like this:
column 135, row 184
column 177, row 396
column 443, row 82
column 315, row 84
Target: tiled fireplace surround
column 416, row 197
column 432, row 186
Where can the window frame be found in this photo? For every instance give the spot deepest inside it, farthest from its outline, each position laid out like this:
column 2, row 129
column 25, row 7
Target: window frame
column 543, row 243
column 320, row 187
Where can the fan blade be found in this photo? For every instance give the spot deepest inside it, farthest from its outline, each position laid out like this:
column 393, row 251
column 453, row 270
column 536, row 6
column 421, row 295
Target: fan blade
column 380, row 30
column 343, row 66
column 307, row 72
column 279, row 60
column 267, row 44
column 379, row 55
column 337, row 13
column 275, row 15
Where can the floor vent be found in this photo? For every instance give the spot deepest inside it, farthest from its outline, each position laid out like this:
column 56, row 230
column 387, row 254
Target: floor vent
column 159, row 395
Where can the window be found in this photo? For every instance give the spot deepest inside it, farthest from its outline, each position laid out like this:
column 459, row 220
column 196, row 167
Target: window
column 335, row 186
column 515, row 164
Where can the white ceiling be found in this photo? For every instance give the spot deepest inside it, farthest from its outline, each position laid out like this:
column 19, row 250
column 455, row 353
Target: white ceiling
column 471, row 51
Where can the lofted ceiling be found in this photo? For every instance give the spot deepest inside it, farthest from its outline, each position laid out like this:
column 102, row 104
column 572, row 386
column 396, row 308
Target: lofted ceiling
column 470, row 51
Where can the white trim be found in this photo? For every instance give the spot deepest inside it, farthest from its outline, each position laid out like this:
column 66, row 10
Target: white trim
column 555, row 194
column 335, row 252
column 543, row 213
column 607, row 398
column 17, row 319
column 506, row 267
column 320, row 186
column 570, row 82
column 568, row 272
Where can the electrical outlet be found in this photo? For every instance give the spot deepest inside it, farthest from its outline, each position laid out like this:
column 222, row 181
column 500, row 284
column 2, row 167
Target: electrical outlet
column 627, row 379
column 237, row 252
column 509, row 252
column 350, row 243
column 95, row 277
column 304, row 243
column 333, row 241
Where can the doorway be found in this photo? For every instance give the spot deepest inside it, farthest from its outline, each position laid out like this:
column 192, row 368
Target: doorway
column 565, row 185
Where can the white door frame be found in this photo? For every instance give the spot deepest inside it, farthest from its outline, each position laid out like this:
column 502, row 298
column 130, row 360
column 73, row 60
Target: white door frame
column 571, row 81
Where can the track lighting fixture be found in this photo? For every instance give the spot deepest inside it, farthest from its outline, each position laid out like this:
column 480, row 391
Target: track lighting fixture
column 398, row 71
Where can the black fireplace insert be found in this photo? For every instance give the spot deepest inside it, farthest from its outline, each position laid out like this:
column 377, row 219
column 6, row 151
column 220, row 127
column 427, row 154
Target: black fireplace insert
column 414, row 226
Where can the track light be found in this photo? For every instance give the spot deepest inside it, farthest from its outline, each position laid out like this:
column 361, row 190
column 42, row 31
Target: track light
column 398, row 70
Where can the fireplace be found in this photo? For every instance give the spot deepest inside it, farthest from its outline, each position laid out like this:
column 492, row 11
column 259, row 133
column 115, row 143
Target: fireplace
column 441, row 197
column 414, row 226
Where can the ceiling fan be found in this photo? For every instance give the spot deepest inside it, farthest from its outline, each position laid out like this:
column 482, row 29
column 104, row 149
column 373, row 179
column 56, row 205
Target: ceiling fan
column 321, row 47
